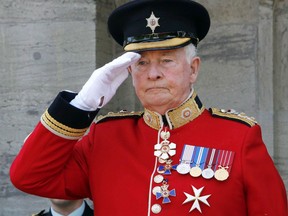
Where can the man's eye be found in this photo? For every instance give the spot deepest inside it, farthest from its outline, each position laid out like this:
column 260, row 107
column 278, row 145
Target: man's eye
column 167, row 60
column 141, row 63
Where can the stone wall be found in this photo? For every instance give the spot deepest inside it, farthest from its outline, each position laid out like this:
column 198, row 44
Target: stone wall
column 47, row 46
column 280, row 87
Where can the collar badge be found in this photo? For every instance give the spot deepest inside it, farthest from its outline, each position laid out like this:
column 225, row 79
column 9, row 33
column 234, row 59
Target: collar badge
column 152, row 22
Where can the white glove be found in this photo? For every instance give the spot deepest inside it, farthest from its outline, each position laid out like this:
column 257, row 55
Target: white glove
column 104, row 82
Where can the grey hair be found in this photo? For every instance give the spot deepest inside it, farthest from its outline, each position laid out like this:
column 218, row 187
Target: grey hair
column 191, row 52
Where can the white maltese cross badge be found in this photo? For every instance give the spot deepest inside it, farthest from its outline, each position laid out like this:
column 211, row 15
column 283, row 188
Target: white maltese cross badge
column 196, row 199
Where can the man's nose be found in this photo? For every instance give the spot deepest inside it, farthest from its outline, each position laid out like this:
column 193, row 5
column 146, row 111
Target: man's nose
column 154, row 72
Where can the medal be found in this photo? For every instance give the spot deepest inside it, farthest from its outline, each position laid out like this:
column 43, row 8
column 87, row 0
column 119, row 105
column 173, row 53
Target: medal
column 156, row 189
column 200, row 153
column 184, row 166
column 165, row 193
column 156, row 208
column 207, row 162
column 165, row 149
column 221, row 174
column 224, row 165
column 208, row 173
column 195, row 171
column 158, row 178
column 167, row 168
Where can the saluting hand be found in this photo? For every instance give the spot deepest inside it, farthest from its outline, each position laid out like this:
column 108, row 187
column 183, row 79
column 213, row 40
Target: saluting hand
column 104, row 82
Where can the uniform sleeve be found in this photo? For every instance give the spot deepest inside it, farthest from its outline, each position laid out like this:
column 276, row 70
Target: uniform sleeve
column 49, row 163
column 264, row 188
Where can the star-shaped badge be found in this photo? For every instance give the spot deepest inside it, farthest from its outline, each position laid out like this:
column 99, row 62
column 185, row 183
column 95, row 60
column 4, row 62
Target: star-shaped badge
column 152, row 22
column 196, row 198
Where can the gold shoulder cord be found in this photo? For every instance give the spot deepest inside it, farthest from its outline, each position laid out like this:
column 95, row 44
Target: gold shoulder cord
column 234, row 115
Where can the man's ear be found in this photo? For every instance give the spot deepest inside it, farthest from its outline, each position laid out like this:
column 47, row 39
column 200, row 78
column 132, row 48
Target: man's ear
column 195, row 67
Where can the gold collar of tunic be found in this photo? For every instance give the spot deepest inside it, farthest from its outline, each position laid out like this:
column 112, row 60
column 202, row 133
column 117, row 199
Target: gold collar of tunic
column 175, row 118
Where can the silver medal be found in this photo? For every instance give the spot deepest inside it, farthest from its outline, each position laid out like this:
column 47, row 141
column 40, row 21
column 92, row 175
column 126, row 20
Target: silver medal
column 156, row 189
column 158, row 178
column 207, row 173
column 183, row 168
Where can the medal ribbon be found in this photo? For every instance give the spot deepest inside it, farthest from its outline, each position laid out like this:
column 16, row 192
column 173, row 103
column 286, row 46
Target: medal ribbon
column 228, row 160
column 200, row 154
column 195, row 156
column 210, row 158
column 187, row 154
column 207, row 157
column 225, row 160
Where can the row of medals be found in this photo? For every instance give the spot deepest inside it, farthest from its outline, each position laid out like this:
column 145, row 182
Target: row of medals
column 220, row 174
column 165, row 150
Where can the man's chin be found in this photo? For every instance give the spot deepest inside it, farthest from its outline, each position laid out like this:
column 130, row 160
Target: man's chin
column 156, row 101
column 157, row 91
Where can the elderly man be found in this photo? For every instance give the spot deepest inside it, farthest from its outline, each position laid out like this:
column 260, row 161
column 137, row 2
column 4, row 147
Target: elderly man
column 174, row 158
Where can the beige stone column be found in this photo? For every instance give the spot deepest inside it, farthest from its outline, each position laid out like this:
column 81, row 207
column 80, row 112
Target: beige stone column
column 281, row 87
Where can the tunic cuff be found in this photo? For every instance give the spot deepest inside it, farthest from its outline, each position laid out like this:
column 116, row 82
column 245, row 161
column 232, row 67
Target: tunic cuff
column 65, row 120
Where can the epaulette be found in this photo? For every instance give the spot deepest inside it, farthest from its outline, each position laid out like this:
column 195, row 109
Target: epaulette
column 233, row 115
column 120, row 114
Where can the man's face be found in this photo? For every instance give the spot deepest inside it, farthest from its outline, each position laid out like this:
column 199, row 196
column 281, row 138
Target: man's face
column 163, row 78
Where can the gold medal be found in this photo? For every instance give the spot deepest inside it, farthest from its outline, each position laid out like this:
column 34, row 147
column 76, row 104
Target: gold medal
column 224, row 165
column 195, row 171
column 221, row 174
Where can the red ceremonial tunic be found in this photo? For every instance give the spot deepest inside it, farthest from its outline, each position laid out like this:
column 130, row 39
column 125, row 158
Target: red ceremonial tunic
column 115, row 165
